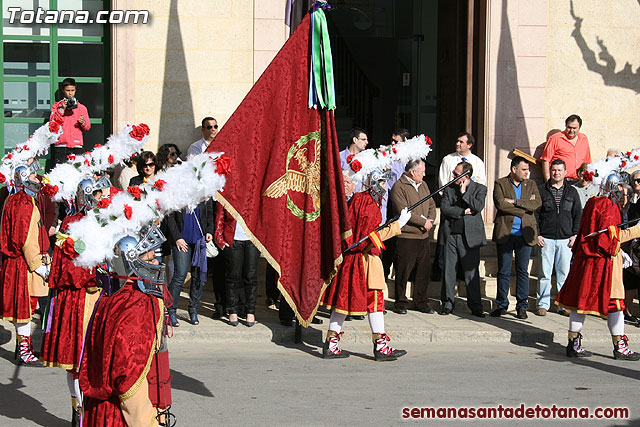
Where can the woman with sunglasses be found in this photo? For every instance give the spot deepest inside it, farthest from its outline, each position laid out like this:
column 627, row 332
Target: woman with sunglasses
column 168, row 156
column 147, row 164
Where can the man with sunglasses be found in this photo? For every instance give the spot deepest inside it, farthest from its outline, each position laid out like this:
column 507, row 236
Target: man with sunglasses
column 209, row 132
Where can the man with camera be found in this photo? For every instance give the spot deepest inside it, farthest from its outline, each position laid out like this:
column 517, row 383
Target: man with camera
column 75, row 121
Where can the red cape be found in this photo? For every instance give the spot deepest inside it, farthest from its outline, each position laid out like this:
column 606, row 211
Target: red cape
column 588, row 287
column 61, row 346
column 14, row 229
column 347, row 292
column 118, row 353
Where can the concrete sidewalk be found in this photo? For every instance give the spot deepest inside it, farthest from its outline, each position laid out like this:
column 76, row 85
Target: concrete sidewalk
column 413, row 327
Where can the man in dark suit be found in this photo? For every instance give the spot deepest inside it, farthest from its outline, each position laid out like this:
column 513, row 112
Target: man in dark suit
column 516, row 198
column 463, row 233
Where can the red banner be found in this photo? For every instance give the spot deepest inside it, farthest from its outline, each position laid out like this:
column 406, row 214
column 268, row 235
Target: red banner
column 285, row 180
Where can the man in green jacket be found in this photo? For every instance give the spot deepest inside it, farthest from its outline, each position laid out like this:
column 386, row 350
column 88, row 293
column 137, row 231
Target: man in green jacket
column 516, row 198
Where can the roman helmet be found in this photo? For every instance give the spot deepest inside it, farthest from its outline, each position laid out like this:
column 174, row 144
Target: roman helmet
column 127, row 263
column 21, row 174
column 374, row 183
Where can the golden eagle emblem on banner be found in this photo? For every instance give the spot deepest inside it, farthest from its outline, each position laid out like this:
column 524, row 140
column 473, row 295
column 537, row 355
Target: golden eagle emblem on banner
column 306, row 180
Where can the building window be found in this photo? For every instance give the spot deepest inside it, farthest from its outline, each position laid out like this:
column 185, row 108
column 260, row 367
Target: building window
column 37, row 57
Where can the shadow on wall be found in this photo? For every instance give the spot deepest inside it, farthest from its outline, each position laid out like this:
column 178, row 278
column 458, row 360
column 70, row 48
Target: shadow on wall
column 510, row 129
column 625, row 78
column 176, row 113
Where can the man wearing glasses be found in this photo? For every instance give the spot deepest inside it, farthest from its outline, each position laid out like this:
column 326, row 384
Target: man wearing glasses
column 209, row 131
column 358, row 143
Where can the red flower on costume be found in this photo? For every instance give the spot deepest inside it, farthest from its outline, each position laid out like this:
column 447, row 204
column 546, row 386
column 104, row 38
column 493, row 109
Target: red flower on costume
column 223, row 165
column 113, row 191
column 624, row 163
column 128, row 211
column 50, row 190
column 628, row 153
column 356, row 166
column 135, row 191
column 87, row 162
column 54, row 127
column 429, row 141
column 110, row 160
column 104, row 202
column 384, row 153
column 97, row 146
column 2, row 178
column 349, row 158
column 25, row 147
column 636, row 158
column 159, row 184
column 394, row 150
column 158, row 204
column 139, row 132
column 68, row 248
column 71, row 156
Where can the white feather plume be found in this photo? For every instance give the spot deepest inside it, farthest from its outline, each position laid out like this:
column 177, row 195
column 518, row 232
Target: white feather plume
column 604, row 167
column 37, row 145
column 65, row 177
column 185, row 185
column 384, row 157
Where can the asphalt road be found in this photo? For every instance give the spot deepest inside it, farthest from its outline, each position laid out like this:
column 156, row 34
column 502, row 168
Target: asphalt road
column 269, row 384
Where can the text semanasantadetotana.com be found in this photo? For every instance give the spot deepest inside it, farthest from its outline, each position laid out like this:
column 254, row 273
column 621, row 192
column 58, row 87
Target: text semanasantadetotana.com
column 518, row 412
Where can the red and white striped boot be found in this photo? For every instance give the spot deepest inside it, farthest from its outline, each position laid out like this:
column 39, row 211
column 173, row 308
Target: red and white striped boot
column 621, row 348
column 331, row 349
column 24, row 352
column 382, row 350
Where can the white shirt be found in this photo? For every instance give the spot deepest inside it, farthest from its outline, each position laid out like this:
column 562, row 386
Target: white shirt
column 416, row 185
column 450, row 161
column 197, row 147
column 240, row 234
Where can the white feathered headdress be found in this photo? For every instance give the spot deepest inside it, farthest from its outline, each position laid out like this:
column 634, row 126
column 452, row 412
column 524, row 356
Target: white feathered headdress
column 37, row 145
column 598, row 171
column 382, row 158
column 62, row 182
column 93, row 237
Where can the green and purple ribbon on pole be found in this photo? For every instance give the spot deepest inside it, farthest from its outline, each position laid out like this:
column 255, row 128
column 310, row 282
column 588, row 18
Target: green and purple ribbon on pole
column 321, row 84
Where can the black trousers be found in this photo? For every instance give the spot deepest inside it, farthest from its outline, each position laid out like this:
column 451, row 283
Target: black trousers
column 217, row 267
column 271, row 283
column 456, row 251
column 241, row 275
column 412, row 254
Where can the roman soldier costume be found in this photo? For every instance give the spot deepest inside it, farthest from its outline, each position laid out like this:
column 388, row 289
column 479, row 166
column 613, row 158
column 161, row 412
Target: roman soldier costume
column 594, row 285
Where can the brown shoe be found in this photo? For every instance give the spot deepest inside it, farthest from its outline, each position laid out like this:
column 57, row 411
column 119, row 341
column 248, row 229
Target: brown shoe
column 541, row 312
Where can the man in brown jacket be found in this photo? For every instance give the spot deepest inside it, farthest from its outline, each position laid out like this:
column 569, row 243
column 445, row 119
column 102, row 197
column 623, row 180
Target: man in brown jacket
column 516, row 199
column 412, row 246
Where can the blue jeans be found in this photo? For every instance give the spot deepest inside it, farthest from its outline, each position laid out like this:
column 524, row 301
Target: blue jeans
column 181, row 265
column 558, row 253
column 505, row 254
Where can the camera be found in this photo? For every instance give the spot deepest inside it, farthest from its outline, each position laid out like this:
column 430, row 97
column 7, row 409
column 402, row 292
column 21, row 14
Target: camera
column 72, row 103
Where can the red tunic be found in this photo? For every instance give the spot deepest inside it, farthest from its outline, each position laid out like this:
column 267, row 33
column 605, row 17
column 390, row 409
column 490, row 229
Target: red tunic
column 120, row 345
column 347, row 293
column 21, row 254
column 70, row 308
column 588, row 287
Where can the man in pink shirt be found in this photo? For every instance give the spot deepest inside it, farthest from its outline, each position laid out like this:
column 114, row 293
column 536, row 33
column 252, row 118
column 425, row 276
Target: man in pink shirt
column 75, row 121
column 571, row 146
